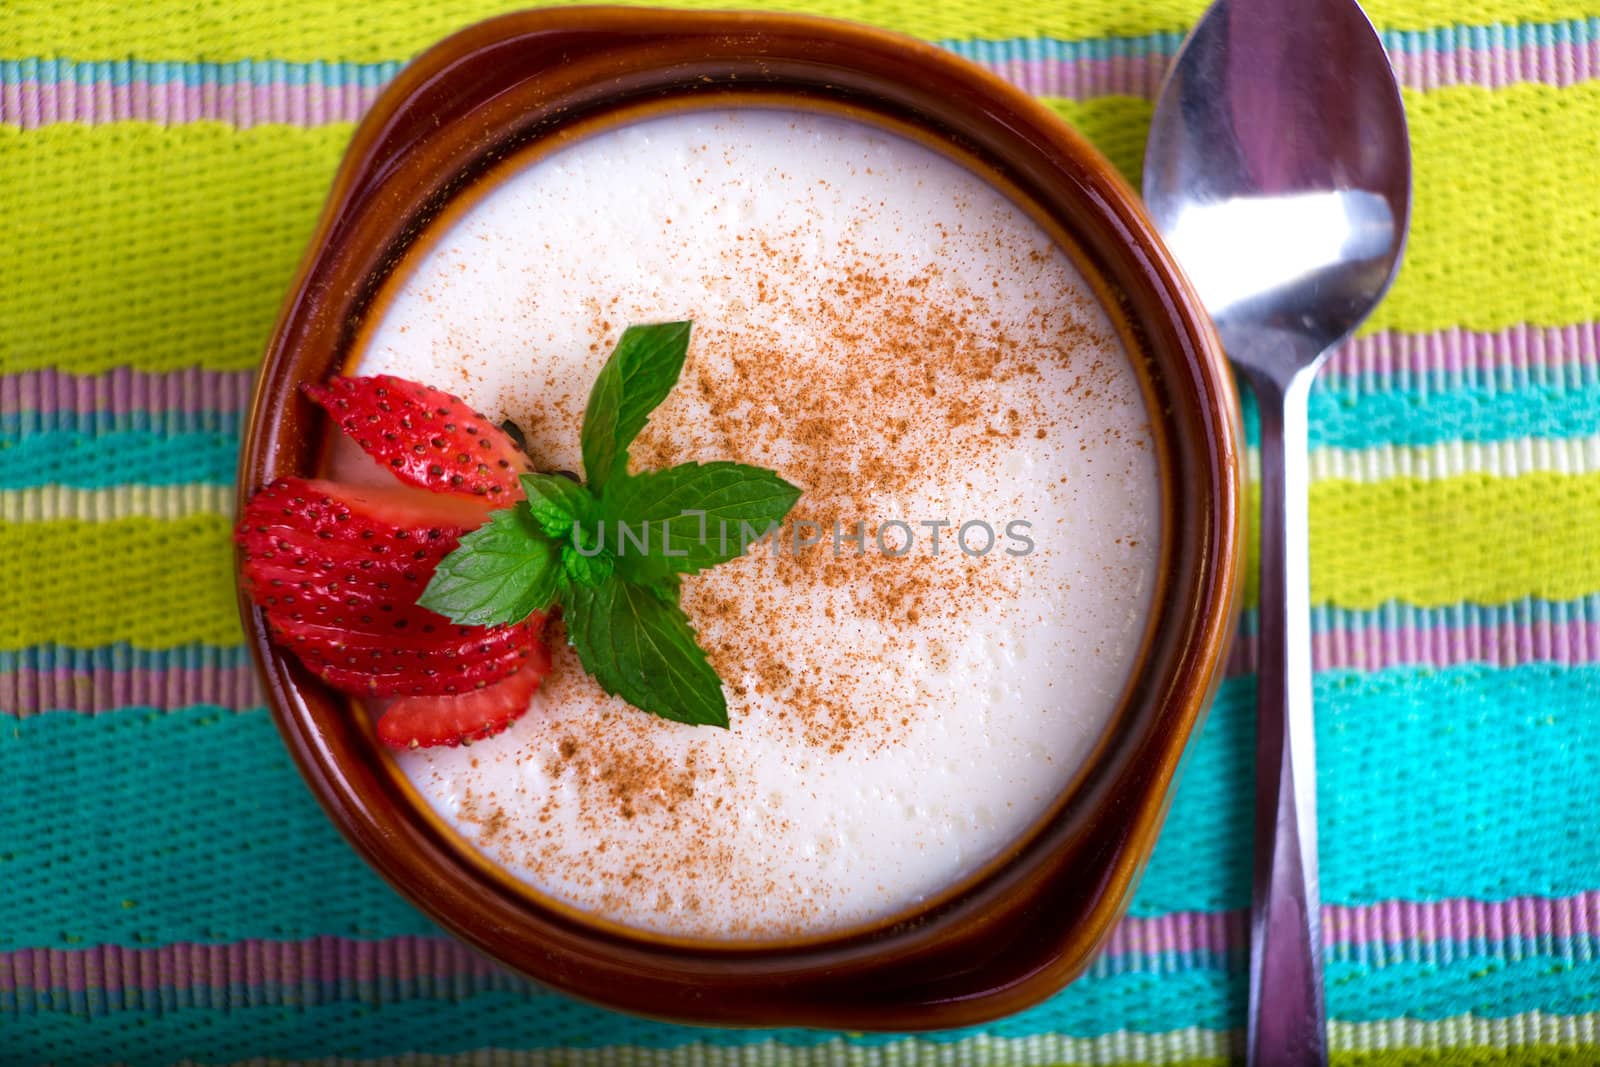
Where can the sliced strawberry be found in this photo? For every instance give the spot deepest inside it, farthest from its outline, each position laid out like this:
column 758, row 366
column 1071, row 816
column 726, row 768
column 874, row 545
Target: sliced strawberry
column 375, row 672
column 338, row 570
column 399, row 628
column 425, row 436
column 375, row 520
column 271, row 583
column 417, row 722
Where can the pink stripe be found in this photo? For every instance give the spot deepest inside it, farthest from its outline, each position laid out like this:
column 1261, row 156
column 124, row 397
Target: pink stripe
column 1502, row 646
column 1378, row 647
column 1217, row 932
column 422, row 964
column 31, row 103
column 1085, row 79
column 1554, row 64
column 1507, row 357
column 32, row 692
column 437, row 966
column 1478, row 921
column 125, row 391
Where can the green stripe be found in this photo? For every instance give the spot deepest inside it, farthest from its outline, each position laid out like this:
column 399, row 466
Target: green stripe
column 154, row 583
column 1480, row 157
column 1455, row 1056
column 196, row 817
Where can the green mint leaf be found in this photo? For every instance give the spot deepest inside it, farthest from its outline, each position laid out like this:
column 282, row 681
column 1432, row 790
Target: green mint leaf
column 503, row 571
column 637, row 377
column 556, row 502
column 691, row 517
column 587, row 567
column 641, row 647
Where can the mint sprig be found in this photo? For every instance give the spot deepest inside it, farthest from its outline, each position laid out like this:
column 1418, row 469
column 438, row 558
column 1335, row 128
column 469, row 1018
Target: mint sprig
column 612, row 552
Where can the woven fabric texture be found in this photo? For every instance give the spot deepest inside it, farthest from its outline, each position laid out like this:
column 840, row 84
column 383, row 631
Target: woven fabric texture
column 169, row 890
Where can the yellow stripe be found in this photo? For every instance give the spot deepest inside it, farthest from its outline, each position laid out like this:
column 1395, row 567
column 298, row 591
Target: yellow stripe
column 1116, row 125
column 1506, row 210
column 1478, row 537
column 160, row 247
column 386, row 29
column 1474, row 537
column 155, row 583
column 179, row 241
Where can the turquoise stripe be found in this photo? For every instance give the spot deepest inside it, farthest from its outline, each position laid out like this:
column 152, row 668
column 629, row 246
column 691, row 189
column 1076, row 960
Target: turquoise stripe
column 1578, row 950
column 1397, row 615
column 1478, row 986
column 1578, row 31
column 94, row 461
column 123, row 657
column 1497, row 379
column 201, row 858
column 1348, row 418
column 141, row 827
column 530, row 1019
column 261, row 72
column 1472, row 812
column 1339, row 419
column 17, row 424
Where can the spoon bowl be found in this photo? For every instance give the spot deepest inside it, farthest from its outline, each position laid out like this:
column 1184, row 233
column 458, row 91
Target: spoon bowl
column 1279, row 172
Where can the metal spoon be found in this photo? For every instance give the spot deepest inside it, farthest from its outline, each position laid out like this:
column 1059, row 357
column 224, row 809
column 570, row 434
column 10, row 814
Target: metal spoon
column 1279, row 172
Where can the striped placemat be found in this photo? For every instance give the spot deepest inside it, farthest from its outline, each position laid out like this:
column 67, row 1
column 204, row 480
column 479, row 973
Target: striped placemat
column 169, row 891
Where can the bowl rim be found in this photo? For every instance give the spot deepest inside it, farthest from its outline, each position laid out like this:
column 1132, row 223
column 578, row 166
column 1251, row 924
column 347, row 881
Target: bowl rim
column 764, row 982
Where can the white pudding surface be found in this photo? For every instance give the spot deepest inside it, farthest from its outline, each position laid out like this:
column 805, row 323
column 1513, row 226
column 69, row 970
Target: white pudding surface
column 891, row 333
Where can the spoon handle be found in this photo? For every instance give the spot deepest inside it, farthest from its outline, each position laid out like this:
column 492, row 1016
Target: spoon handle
column 1287, row 1024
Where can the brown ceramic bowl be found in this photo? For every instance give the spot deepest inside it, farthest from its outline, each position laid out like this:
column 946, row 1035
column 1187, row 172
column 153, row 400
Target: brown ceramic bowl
column 1027, row 923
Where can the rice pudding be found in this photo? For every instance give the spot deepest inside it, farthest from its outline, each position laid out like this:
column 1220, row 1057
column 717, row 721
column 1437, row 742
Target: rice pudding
column 881, row 326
